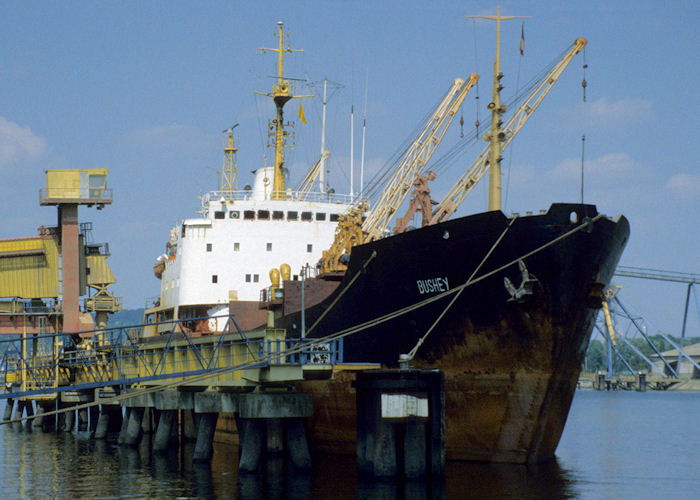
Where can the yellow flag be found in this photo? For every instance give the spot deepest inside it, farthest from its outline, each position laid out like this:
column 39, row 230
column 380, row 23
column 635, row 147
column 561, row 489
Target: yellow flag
column 301, row 114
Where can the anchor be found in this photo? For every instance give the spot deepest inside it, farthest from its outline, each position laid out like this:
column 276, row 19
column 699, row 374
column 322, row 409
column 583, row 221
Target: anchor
column 526, row 289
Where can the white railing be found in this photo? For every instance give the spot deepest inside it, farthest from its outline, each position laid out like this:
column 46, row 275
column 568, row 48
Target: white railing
column 246, row 195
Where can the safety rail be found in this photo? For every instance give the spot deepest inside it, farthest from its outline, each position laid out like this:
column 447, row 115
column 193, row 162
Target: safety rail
column 304, row 351
column 271, row 295
column 84, row 194
column 120, row 356
column 289, row 195
column 27, row 306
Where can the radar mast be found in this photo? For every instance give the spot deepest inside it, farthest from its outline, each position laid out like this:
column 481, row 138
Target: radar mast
column 281, row 93
column 496, row 136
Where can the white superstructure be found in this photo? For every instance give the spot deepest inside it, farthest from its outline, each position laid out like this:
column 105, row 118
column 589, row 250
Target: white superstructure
column 227, row 253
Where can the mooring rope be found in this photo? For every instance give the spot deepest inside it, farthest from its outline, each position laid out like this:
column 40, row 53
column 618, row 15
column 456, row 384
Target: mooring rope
column 412, row 352
column 315, row 342
column 345, row 289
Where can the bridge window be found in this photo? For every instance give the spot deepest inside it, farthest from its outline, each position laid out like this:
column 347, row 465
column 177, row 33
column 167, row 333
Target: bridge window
column 277, row 215
column 292, row 215
column 256, row 278
column 236, row 246
column 249, row 214
column 309, row 248
column 307, row 216
column 214, row 278
column 320, row 216
column 209, row 246
column 268, row 247
column 334, row 217
column 247, row 278
column 219, row 214
column 263, row 215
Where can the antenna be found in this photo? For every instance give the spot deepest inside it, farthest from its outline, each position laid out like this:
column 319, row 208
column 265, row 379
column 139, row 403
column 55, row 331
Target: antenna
column 352, row 148
column 364, row 121
column 322, row 185
column 583, row 142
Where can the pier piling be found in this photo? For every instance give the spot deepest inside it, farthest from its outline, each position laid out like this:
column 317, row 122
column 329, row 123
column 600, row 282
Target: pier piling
column 133, row 429
column 203, row 448
column 164, row 431
column 125, row 425
column 38, row 420
column 401, row 423
column 9, row 406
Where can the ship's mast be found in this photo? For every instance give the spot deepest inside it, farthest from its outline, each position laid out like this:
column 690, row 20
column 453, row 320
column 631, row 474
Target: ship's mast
column 495, row 135
column 229, row 181
column 281, row 93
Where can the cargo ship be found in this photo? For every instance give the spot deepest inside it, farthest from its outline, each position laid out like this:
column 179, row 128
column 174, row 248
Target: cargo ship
column 503, row 304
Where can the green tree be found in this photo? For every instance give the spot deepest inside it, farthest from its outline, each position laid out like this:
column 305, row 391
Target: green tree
column 595, row 356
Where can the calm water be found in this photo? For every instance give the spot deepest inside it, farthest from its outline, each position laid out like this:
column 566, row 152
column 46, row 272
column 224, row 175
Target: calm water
column 615, row 445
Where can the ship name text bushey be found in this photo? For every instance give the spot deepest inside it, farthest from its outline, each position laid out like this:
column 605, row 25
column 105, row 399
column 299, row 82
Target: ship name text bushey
column 432, row 285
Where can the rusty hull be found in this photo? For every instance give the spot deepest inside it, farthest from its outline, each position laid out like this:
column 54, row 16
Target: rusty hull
column 511, row 366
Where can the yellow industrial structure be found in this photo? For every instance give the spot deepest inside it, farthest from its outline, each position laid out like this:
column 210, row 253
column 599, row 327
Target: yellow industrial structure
column 43, row 277
column 29, row 266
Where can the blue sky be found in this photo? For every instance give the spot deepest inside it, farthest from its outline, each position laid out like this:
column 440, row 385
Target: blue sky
column 145, row 89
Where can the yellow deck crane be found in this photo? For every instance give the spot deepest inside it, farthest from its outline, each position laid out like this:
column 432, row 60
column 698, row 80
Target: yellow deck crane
column 499, row 137
column 351, row 229
column 415, row 159
column 308, row 182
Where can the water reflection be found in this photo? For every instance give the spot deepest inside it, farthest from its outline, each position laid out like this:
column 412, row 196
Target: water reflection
column 69, row 465
column 546, row 480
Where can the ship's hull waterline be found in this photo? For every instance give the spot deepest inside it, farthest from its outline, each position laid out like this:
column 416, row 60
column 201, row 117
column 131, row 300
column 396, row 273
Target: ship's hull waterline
column 511, row 366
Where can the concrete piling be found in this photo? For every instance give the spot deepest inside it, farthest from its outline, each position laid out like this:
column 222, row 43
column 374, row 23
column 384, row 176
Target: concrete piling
column 125, row 426
column 94, row 413
column 265, row 420
column 270, row 424
column 401, row 423
column 189, row 425
column 9, row 406
column 83, row 420
column 109, row 421
column 297, row 444
column 251, row 444
column 275, row 436
column 203, row 449
column 133, row 429
column 147, row 421
column 38, row 420
column 102, row 425
column 164, row 432
column 68, row 421
column 48, row 423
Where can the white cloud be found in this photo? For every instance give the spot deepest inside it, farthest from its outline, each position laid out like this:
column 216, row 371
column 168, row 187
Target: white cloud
column 609, row 166
column 18, row 143
column 606, row 112
column 684, row 185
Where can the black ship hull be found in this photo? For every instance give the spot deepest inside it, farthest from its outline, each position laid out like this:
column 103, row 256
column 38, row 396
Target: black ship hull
column 511, row 354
